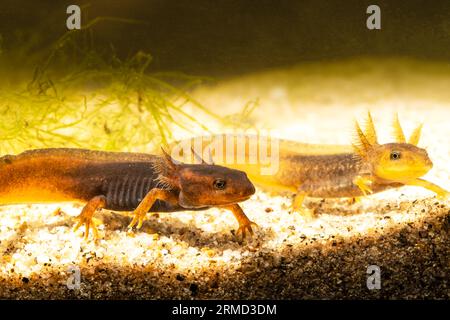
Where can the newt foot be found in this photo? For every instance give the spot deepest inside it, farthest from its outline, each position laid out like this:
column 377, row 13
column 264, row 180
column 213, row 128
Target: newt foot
column 443, row 195
column 245, row 227
column 364, row 184
column 89, row 223
column 57, row 212
column 86, row 216
column 138, row 218
column 365, row 189
column 306, row 213
column 354, row 200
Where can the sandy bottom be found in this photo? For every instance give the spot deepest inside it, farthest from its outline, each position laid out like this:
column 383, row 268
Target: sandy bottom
column 405, row 232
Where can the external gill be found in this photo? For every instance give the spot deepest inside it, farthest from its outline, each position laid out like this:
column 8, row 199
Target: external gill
column 366, row 140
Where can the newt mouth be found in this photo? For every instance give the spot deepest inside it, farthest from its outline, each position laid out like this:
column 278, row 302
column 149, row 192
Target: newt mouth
column 243, row 198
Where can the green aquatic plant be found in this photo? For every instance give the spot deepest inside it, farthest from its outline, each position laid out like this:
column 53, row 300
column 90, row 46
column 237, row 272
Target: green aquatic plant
column 83, row 96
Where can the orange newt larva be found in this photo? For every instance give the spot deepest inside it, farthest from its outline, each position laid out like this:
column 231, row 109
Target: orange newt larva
column 122, row 182
column 328, row 171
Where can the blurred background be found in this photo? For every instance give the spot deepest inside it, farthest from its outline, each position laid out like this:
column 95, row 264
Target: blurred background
column 232, row 37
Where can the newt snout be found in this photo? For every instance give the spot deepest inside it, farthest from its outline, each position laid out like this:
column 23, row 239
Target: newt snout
column 428, row 162
column 249, row 188
column 241, row 186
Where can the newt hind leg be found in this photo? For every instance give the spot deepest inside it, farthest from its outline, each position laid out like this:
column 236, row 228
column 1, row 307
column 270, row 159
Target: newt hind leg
column 298, row 206
column 86, row 216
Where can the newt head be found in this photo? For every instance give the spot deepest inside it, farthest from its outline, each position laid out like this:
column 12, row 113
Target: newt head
column 203, row 185
column 400, row 161
column 212, row 185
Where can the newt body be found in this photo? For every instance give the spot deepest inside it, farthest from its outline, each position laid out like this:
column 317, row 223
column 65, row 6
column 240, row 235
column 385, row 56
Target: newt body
column 325, row 176
column 122, row 182
column 324, row 171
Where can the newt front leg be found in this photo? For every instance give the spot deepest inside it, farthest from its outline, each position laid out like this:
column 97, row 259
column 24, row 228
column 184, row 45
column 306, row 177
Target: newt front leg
column 245, row 225
column 440, row 192
column 144, row 206
column 297, row 205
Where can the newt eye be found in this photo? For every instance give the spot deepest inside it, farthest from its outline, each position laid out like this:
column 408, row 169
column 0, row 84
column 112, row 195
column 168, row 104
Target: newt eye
column 219, row 184
column 395, row 155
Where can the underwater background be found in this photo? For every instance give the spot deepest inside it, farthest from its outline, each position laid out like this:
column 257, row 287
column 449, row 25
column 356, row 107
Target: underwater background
column 144, row 73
